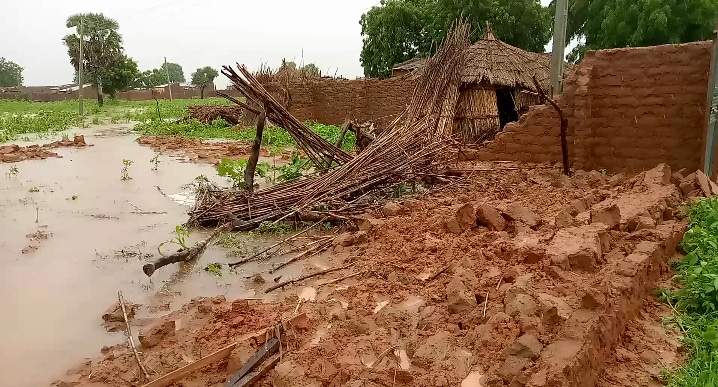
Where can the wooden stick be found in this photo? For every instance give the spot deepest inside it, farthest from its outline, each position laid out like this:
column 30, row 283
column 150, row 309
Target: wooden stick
column 302, row 278
column 283, row 241
column 175, row 375
column 564, row 128
column 486, row 303
column 343, row 278
column 129, row 336
column 311, row 251
column 254, row 157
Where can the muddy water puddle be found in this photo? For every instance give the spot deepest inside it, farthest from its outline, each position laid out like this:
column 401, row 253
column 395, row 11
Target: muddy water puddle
column 74, row 233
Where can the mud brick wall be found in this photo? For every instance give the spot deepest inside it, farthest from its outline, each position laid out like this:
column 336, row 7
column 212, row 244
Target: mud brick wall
column 628, row 109
column 331, row 101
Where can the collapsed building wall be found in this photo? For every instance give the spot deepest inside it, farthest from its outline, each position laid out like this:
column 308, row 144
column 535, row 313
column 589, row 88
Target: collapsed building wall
column 628, row 110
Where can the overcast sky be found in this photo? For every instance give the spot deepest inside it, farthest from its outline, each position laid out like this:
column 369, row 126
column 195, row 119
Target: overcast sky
column 193, row 33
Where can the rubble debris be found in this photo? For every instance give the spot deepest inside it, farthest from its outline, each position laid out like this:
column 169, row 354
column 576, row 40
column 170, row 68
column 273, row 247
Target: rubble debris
column 154, row 333
column 393, row 209
column 526, row 346
column 459, row 298
column 490, row 217
column 521, row 304
column 519, row 213
column 608, row 215
column 207, row 114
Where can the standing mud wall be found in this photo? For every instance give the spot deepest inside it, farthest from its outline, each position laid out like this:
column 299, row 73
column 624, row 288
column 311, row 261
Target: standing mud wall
column 629, row 109
column 331, row 101
column 45, row 94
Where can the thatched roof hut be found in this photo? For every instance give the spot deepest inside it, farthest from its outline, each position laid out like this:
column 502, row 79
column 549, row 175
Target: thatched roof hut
column 496, row 86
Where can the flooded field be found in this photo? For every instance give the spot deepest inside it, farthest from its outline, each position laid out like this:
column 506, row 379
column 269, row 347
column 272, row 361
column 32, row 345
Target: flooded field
column 74, row 233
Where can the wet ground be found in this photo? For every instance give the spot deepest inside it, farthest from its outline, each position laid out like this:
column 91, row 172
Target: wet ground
column 74, row 233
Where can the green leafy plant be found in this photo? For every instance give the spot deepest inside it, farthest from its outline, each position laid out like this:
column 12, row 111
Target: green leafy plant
column 95, row 120
column 34, row 189
column 74, row 197
column 274, row 228
column 401, row 190
column 695, row 303
column 180, row 239
column 125, row 172
column 214, row 268
column 155, row 161
column 295, row 169
column 234, row 170
column 12, row 172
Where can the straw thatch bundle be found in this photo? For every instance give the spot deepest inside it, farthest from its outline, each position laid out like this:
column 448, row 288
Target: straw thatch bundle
column 494, row 62
column 477, row 115
column 207, row 114
column 414, row 144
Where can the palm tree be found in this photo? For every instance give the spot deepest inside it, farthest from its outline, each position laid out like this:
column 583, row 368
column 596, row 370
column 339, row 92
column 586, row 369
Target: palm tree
column 102, row 46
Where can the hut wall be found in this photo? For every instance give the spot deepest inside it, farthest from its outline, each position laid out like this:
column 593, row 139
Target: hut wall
column 629, row 109
column 477, row 115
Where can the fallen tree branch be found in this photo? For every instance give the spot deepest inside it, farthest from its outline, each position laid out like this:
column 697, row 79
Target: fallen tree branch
column 254, row 157
column 130, row 339
column 238, row 102
column 184, row 254
column 564, row 127
column 304, row 277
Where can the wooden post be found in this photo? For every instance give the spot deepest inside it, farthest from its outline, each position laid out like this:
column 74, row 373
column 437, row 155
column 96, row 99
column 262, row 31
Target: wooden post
column 708, row 159
column 559, row 47
column 81, row 70
column 254, row 157
column 169, row 85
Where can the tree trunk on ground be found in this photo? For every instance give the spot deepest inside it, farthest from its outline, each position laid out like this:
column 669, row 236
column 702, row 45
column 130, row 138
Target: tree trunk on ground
column 201, row 92
column 254, row 158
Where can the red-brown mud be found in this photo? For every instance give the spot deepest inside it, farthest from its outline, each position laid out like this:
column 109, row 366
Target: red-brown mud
column 15, row 153
column 553, row 293
column 199, row 151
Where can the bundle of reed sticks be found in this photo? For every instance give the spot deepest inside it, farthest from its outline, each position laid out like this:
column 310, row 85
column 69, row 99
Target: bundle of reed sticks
column 414, row 145
column 322, row 153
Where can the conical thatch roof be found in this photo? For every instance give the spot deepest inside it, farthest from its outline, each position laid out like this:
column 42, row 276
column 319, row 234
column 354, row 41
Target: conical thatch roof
column 497, row 63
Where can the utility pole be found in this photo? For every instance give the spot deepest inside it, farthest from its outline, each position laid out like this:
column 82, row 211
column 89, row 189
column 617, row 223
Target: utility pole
column 559, row 46
column 708, row 159
column 169, row 85
column 80, row 72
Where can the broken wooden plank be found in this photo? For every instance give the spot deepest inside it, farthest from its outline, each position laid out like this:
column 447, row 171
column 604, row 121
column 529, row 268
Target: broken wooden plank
column 175, row 375
column 269, row 349
column 257, row 374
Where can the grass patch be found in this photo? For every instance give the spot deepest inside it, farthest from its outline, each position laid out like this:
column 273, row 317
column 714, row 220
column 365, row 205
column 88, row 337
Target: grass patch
column 17, row 117
column 696, row 304
column 220, row 129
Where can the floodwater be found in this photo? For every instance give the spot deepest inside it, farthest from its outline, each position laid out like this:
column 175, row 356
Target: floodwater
column 52, row 297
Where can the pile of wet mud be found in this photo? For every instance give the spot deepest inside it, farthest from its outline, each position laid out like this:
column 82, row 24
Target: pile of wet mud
column 16, row 153
column 517, row 277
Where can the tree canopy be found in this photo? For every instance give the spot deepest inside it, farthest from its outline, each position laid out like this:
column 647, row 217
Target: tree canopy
column 631, row 23
column 102, row 47
column 156, row 77
column 10, row 73
column 204, row 77
column 399, row 30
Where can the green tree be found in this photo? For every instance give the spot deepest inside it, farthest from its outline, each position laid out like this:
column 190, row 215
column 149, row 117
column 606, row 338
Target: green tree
column 10, row 73
column 630, row 23
column 398, row 30
column 121, row 76
column 394, row 31
column 203, row 77
column 311, row 70
column 176, row 73
column 102, row 47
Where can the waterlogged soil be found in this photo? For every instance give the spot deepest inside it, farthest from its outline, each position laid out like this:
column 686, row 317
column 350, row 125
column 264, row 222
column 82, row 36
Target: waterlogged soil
column 74, row 233
column 437, row 302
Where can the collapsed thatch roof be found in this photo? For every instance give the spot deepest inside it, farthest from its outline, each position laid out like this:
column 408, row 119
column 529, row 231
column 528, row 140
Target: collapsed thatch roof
column 497, row 63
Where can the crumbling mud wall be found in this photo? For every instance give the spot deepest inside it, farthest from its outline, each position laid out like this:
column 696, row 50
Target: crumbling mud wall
column 628, row 110
column 331, row 101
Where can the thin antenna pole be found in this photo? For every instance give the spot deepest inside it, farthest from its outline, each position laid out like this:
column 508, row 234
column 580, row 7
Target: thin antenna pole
column 169, row 85
column 80, row 74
